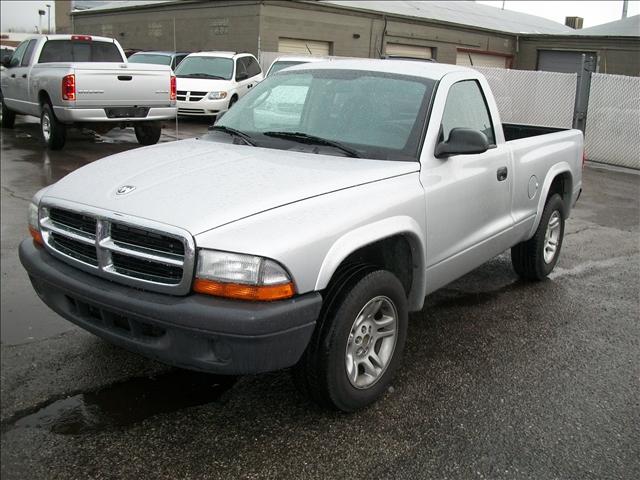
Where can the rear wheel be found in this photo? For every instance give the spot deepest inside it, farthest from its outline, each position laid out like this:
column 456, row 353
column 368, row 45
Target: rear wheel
column 148, row 134
column 54, row 133
column 8, row 116
column 536, row 258
column 358, row 342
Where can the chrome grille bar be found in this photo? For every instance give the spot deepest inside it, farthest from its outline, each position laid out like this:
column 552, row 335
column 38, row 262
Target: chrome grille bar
column 135, row 264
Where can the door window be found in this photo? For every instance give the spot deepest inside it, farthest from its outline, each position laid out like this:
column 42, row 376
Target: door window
column 28, row 53
column 241, row 69
column 16, row 58
column 253, row 68
column 466, row 108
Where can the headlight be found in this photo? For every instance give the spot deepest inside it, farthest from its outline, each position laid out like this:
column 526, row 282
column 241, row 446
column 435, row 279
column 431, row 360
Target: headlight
column 217, row 95
column 246, row 277
column 34, row 225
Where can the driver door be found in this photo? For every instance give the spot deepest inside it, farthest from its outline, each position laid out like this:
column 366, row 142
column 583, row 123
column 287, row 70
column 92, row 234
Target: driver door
column 12, row 78
column 468, row 197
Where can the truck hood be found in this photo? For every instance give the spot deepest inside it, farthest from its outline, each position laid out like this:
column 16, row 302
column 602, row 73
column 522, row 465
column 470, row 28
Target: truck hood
column 202, row 84
column 199, row 185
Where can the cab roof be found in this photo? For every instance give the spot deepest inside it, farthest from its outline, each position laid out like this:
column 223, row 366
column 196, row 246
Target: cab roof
column 434, row 71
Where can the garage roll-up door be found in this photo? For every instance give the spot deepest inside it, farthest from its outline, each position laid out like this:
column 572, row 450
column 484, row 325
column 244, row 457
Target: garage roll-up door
column 414, row 51
column 562, row 61
column 475, row 59
column 303, row 47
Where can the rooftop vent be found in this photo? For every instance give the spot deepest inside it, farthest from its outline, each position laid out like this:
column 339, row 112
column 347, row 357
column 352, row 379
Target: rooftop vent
column 574, row 22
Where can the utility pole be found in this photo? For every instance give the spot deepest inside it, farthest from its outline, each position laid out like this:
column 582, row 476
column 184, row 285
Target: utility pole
column 503, row 2
column 625, row 6
column 49, row 19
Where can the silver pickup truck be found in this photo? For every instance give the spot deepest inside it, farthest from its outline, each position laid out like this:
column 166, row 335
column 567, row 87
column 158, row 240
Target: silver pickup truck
column 85, row 80
column 302, row 229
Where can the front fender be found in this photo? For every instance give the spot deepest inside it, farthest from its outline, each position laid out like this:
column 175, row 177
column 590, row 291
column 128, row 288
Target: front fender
column 373, row 232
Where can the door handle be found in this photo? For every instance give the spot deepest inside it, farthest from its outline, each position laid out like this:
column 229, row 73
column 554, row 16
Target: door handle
column 501, row 174
column 13, row 75
column 250, row 85
column 24, row 75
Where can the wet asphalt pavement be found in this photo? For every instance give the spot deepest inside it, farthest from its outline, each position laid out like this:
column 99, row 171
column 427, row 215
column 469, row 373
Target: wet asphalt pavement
column 501, row 378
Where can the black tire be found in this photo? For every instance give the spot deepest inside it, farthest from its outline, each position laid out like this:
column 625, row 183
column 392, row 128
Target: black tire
column 321, row 373
column 233, row 100
column 56, row 136
column 528, row 258
column 8, row 116
column 148, row 134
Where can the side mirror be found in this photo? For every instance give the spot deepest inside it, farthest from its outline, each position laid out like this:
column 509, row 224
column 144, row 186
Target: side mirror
column 462, row 141
column 6, row 61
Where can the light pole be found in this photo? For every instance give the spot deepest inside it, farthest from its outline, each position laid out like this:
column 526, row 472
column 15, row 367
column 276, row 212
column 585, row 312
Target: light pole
column 41, row 14
column 49, row 18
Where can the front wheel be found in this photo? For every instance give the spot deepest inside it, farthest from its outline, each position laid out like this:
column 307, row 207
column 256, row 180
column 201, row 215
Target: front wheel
column 54, row 133
column 148, row 134
column 536, row 258
column 358, row 342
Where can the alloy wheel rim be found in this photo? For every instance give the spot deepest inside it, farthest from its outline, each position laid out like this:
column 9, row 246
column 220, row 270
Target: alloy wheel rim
column 371, row 343
column 552, row 237
column 46, row 126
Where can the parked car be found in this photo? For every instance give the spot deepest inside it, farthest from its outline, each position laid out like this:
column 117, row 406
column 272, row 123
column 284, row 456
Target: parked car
column 172, row 59
column 209, row 83
column 289, row 61
column 6, row 52
column 260, row 247
column 69, row 80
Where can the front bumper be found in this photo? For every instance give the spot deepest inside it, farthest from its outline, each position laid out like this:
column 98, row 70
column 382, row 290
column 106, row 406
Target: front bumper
column 203, row 107
column 196, row 332
column 91, row 115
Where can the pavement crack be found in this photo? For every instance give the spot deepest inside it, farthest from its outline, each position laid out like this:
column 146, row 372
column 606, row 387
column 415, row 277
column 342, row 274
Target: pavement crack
column 13, row 194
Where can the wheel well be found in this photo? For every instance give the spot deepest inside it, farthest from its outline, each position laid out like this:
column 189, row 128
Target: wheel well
column 563, row 185
column 43, row 97
column 392, row 254
column 235, row 95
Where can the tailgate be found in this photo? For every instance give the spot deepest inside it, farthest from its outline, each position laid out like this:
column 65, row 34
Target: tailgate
column 122, row 84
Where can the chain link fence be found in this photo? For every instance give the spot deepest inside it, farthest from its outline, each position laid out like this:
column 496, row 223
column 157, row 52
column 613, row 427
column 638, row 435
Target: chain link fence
column 612, row 133
column 532, row 97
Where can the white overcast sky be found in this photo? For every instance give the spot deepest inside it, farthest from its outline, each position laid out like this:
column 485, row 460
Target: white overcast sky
column 22, row 15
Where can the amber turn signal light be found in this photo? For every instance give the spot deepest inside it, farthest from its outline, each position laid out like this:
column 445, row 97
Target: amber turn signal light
column 263, row 293
column 36, row 235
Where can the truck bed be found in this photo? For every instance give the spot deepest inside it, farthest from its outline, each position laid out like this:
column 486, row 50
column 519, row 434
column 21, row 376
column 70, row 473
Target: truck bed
column 516, row 131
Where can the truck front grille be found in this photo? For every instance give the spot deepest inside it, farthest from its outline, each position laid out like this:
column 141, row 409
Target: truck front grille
column 73, row 248
column 135, row 237
column 149, row 256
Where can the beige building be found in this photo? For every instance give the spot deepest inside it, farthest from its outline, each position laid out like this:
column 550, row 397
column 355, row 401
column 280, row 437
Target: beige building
column 449, row 32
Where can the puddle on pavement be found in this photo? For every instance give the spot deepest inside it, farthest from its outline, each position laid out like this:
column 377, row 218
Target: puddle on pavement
column 125, row 403
column 449, row 297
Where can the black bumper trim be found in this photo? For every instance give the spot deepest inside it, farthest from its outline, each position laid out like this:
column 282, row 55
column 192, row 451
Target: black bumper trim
column 196, row 331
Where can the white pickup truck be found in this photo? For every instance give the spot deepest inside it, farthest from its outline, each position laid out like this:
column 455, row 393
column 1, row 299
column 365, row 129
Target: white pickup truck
column 302, row 229
column 85, row 80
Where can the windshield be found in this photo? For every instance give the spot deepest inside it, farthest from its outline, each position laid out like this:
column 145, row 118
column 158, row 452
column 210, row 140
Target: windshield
column 371, row 114
column 150, row 58
column 205, row 67
column 279, row 65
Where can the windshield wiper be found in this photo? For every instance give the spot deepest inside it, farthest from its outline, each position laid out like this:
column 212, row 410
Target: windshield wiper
column 312, row 139
column 200, row 75
column 232, row 131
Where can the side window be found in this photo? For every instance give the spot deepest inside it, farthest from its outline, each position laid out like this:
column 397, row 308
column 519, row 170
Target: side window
column 16, row 58
column 253, row 67
column 241, row 69
column 466, row 108
column 177, row 60
column 28, row 53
